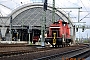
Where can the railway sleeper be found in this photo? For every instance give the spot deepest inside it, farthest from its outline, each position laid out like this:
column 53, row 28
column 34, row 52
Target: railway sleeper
column 60, row 54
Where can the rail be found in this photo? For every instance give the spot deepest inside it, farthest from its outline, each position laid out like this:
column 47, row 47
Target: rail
column 64, row 53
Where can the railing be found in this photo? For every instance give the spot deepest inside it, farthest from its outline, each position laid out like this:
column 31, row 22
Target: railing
column 83, row 26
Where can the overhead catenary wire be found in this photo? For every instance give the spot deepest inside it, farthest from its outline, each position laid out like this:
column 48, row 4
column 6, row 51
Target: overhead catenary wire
column 56, row 6
column 89, row 2
column 5, row 6
column 85, row 9
column 64, row 6
column 61, row 4
column 17, row 4
column 85, row 16
column 83, row 5
column 72, row 3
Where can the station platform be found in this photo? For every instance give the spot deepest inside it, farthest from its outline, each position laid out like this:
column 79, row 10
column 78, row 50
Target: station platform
column 12, row 42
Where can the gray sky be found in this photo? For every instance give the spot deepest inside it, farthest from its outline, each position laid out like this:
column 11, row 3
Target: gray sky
column 85, row 4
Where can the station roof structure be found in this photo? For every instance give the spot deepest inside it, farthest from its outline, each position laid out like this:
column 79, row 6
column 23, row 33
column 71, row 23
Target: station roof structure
column 32, row 15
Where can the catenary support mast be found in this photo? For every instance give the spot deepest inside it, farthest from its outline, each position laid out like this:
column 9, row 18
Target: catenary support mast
column 43, row 25
column 53, row 12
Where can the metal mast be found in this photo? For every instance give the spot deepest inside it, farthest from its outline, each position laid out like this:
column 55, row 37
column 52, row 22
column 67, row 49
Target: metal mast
column 53, row 12
column 43, row 24
column 11, row 28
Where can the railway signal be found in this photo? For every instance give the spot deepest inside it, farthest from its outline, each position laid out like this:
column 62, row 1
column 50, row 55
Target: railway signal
column 45, row 5
column 76, row 29
column 83, row 28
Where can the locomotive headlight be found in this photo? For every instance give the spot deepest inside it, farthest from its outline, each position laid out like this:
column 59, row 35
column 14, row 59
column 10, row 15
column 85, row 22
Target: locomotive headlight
column 59, row 22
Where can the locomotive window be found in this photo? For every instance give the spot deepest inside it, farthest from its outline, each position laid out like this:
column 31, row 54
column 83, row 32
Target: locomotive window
column 36, row 32
column 55, row 31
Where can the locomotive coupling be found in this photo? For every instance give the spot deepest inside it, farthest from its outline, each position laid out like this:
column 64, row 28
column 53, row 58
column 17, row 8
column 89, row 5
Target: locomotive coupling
column 54, row 39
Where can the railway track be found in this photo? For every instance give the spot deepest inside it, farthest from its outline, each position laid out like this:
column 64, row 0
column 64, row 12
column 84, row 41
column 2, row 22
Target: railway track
column 72, row 54
column 11, row 50
column 13, row 45
column 29, row 53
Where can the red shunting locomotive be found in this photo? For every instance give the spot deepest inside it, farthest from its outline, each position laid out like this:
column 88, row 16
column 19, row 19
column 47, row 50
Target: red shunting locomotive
column 59, row 34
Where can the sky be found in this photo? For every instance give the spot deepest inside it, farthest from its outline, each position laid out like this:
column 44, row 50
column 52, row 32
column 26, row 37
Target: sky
column 73, row 13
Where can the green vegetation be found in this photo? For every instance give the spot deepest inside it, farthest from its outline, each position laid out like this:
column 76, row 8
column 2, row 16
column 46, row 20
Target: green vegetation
column 85, row 41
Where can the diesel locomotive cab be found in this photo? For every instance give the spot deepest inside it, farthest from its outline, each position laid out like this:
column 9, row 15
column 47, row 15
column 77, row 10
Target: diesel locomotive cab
column 59, row 33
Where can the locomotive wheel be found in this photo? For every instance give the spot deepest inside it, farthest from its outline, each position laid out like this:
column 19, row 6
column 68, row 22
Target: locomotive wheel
column 56, row 45
column 66, row 45
column 52, row 45
column 34, row 42
column 62, row 46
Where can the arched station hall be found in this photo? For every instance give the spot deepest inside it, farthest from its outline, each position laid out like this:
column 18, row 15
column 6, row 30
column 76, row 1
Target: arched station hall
column 29, row 15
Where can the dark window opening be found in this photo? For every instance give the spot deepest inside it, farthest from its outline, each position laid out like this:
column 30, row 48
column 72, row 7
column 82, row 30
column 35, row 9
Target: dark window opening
column 55, row 31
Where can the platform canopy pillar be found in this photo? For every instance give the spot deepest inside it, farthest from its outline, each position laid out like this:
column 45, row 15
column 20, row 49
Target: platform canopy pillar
column 74, row 34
